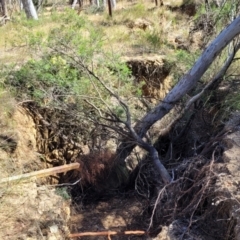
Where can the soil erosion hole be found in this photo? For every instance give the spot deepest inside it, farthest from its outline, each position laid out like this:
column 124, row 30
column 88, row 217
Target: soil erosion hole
column 187, row 203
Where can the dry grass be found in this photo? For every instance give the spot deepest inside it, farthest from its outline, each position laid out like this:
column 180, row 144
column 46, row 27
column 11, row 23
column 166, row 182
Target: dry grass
column 164, row 27
column 28, row 212
column 7, row 108
column 16, row 35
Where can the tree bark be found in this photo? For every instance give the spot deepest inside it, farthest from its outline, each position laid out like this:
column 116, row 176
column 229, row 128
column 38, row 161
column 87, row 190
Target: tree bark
column 4, row 8
column 114, row 4
column 30, row 9
column 186, row 84
column 110, row 8
column 74, row 3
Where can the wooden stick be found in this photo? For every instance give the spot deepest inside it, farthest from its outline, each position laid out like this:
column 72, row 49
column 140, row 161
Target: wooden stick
column 106, row 233
column 42, row 173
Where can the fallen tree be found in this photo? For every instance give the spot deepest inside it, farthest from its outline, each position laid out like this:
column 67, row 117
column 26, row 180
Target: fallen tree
column 133, row 135
column 185, row 85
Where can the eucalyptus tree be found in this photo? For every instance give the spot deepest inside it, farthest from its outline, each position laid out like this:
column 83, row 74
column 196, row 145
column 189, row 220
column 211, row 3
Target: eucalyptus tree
column 4, row 8
column 29, row 9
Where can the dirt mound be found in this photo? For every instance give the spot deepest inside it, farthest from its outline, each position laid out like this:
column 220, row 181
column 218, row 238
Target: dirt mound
column 153, row 73
column 229, row 182
column 31, row 212
column 18, row 143
column 182, row 6
column 140, row 23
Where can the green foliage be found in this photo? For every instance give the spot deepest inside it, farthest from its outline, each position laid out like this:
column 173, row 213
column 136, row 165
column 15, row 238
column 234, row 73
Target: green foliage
column 63, row 192
column 137, row 11
column 182, row 55
column 24, row 32
column 218, row 16
column 8, row 107
column 201, row 10
column 94, row 9
column 117, row 68
column 26, row 38
column 35, row 38
column 22, row 21
column 77, row 34
column 60, row 76
column 119, row 111
column 50, row 77
column 228, row 11
column 154, row 38
column 184, row 61
column 232, row 101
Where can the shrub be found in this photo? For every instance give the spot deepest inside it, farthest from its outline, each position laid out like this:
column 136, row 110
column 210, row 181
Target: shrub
column 70, row 61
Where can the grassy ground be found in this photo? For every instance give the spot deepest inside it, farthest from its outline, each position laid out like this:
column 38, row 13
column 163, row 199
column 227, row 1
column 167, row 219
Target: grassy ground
column 164, row 25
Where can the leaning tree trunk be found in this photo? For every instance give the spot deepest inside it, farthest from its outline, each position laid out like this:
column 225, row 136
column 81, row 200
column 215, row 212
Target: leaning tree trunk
column 30, row 9
column 186, row 84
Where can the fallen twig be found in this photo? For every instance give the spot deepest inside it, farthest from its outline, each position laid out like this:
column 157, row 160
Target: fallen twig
column 42, row 173
column 106, row 233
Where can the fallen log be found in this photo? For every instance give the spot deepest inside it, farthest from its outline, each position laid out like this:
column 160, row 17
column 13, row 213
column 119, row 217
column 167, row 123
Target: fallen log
column 42, row 173
column 107, row 233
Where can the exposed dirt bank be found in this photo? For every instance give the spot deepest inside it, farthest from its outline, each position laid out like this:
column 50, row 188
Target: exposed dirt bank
column 28, row 210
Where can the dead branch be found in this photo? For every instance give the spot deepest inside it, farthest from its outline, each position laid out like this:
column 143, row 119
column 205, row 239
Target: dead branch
column 155, row 205
column 106, row 233
column 42, row 173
